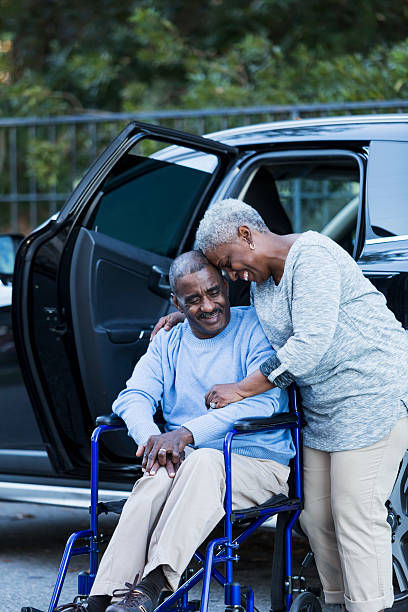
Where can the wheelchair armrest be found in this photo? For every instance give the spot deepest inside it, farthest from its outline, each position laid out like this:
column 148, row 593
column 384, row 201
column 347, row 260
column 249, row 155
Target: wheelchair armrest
column 112, row 419
column 276, row 421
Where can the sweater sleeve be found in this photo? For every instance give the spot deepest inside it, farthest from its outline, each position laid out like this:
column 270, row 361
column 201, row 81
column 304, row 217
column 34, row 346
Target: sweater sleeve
column 315, row 303
column 137, row 403
column 217, row 423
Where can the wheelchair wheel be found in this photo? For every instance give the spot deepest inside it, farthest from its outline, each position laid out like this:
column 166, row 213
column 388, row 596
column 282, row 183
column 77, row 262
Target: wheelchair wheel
column 306, row 602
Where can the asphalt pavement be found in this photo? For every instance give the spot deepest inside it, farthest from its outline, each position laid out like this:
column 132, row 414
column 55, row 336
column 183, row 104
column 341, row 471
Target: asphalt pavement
column 33, row 538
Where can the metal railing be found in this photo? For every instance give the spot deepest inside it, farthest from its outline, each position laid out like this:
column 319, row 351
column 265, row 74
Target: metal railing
column 42, row 159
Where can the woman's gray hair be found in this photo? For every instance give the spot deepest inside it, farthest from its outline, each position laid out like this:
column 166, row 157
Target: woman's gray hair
column 221, row 222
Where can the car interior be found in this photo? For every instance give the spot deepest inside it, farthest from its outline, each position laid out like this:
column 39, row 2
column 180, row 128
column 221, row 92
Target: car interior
column 298, row 195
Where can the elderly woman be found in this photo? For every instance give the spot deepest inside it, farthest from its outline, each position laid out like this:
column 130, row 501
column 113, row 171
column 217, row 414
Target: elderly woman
column 335, row 337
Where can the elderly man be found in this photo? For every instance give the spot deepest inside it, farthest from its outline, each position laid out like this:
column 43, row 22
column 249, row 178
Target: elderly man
column 179, row 500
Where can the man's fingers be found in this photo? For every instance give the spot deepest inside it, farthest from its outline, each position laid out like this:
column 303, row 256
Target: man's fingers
column 162, row 456
column 175, row 454
column 147, row 450
column 153, row 469
column 152, row 457
column 171, row 468
column 140, row 450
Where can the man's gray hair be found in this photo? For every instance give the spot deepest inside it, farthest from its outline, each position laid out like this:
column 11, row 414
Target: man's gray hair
column 221, row 222
column 186, row 263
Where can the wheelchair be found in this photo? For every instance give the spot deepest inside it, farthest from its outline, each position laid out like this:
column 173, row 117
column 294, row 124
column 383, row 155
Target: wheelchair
column 288, row 592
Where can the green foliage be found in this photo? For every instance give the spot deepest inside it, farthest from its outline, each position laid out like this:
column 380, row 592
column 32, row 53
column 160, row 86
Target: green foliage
column 73, row 56
column 45, row 161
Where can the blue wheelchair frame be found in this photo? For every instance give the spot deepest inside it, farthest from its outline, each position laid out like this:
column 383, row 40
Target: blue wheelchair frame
column 227, row 545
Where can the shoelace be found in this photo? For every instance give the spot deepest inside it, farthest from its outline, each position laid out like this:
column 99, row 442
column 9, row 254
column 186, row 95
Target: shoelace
column 131, row 595
column 75, row 606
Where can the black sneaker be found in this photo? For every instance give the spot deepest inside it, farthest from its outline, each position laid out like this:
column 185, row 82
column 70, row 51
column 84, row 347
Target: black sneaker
column 78, row 605
column 134, row 600
column 95, row 603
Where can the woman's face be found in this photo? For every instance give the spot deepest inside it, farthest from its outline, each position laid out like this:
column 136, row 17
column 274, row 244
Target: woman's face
column 240, row 261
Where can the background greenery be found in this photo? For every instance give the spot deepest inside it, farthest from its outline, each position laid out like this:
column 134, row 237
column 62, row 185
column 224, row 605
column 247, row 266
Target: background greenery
column 67, row 56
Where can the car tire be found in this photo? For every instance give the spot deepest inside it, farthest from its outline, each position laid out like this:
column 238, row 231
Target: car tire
column 397, row 506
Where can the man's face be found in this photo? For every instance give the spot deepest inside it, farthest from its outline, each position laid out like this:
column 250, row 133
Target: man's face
column 203, row 298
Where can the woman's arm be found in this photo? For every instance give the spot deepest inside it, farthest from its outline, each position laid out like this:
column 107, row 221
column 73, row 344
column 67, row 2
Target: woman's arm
column 314, row 306
column 253, row 384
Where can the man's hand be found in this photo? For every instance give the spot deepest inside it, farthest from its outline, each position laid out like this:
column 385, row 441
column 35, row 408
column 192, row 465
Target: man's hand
column 170, row 466
column 165, row 450
column 167, row 322
column 221, row 395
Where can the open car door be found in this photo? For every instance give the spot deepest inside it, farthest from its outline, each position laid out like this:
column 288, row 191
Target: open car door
column 90, row 284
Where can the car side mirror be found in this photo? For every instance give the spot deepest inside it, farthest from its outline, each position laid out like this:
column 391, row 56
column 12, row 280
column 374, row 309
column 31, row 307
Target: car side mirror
column 8, row 249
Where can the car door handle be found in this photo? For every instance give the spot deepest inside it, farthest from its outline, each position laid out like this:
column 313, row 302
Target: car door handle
column 159, row 282
column 126, row 336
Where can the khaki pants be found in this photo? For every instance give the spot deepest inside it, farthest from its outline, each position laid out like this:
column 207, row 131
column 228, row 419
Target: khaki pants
column 345, row 519
column 166, row 519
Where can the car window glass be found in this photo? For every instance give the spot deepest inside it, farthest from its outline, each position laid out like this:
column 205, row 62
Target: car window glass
column 388, row 188
column 149, row 197
column 313, row 194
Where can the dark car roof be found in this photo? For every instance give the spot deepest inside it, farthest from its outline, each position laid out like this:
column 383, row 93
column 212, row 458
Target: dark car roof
column 361, row 128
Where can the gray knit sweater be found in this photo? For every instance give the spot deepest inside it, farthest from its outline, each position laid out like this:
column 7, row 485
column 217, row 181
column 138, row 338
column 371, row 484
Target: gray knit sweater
column 337, row 339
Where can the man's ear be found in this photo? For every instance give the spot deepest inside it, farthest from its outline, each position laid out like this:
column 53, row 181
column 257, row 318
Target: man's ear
column 176, row 302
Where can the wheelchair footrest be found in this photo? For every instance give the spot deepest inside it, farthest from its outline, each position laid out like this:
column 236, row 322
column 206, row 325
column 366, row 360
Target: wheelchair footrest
column 30, row 609
column 115, row 506
column 276, row 501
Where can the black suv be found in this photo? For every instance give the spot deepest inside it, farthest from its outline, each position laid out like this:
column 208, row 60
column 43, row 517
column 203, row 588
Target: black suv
column 90, row 284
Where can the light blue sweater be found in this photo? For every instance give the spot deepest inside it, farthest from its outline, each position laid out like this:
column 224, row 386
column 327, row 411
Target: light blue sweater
column 178, row 369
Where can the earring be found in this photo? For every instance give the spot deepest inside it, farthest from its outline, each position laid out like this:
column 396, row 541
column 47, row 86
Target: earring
column 252, row 246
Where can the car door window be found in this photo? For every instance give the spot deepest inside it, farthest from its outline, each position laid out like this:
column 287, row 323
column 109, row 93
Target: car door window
column 147, row 201
column 388, row 188
column 320, row 194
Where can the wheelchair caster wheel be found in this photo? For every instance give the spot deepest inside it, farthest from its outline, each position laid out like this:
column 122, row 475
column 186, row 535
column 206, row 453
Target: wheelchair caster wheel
column 306, row 602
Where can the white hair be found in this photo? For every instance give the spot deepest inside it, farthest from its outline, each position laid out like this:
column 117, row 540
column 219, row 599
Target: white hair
column 221, row 222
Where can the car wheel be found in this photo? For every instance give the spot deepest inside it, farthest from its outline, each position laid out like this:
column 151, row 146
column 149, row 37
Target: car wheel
column 398, row 519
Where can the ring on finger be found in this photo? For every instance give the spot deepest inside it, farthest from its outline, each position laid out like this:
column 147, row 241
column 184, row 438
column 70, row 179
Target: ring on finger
column 163, row 450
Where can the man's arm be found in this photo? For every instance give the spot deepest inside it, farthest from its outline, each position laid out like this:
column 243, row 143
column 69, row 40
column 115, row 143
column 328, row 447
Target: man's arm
column 137, row 403
column 216, row 423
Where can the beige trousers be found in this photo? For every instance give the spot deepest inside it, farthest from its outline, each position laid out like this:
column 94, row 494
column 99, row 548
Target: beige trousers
column 345, row 519
column 166, row 519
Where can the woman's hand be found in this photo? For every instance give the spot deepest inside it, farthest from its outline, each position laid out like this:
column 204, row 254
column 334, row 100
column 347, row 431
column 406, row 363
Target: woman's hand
column 167, row 322
column 221, row 395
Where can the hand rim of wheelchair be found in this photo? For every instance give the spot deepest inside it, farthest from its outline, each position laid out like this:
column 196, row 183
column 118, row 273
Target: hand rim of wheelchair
column 397, row 505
